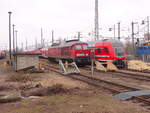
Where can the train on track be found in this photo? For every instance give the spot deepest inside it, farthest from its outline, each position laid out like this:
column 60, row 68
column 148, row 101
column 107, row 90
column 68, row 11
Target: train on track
column 81, row 52
column 72, row 50
column 108, row 51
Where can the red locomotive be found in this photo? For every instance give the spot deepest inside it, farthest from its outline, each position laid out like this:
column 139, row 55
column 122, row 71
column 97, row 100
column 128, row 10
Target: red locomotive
column 80, row 52
column 108, row 51
column 72, row 50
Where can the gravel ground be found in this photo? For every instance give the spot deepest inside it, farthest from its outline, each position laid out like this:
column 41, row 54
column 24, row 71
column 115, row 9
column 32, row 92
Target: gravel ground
column 80, row 98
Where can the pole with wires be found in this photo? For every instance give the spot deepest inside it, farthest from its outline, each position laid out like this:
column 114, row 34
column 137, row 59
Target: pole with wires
column 133, row 46
column 118, row 30
column 10, row 34
column 13, row 38
column 16, row 41
column 96, row 21
column 148, row 28
column 114, row 31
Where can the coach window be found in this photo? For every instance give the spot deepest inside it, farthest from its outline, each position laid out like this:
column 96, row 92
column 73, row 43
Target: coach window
column 78, row 47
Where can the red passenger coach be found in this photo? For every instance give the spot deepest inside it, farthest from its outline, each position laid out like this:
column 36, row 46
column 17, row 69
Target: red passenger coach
column 42, row 51
column 109, row 51
column 73, row 50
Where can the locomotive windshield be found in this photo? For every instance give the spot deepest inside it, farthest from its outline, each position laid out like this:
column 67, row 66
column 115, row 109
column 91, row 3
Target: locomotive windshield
column 85, row 47
column 119, row 52
column 118, row 47
column 78, row 47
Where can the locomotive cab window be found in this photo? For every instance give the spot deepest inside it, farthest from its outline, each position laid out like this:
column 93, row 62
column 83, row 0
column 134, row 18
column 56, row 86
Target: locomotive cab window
column 78, row 47
column 91, row 45
column 119, row 52
column 106, row 50
column 85, row 47
column 99, row 51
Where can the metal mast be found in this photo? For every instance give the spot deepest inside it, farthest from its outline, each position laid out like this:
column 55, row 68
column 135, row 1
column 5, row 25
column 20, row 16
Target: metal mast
column 96, row 21
column 148, row 28
column 26, row 44
column 118, row 30
column 52, row 36
column 41, row 37
column 10, row 34
column 16, row 41
column 13, row 38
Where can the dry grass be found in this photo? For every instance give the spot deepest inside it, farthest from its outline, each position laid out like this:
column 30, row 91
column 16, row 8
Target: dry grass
column 42, row 91
column 19, row 77
column 6, row 87
column 74, row 104
column 55, row 89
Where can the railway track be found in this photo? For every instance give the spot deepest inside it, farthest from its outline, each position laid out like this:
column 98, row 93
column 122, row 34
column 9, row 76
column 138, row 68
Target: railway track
column 136, row 76
column 127, row 74
column 112, row 87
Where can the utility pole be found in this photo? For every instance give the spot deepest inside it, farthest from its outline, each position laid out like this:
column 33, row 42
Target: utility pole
column 118, row 30
column 36, row 44
column 16, row 41
column 52, row 36
column 41, row 37
column 22, row 46
column 26, row 44
column 133, row 46
column 148, row 28
column 79, row 35
column 10, row 34
column 13, row 38
column 43, row 43
column 114, row 31
column 96, row 21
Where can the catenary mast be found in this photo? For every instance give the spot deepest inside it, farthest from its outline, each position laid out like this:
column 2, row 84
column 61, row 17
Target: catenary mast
column 96, row 32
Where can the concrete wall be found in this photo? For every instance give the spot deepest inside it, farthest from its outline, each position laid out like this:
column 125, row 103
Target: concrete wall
column 24, row 61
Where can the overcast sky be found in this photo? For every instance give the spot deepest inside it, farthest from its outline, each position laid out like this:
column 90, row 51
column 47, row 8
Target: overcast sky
column 66, row 17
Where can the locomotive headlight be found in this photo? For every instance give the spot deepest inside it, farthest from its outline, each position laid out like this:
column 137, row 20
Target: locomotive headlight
column 80, row 54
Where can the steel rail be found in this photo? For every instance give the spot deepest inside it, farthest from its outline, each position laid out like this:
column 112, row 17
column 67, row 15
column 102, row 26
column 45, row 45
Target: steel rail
column 99, row 83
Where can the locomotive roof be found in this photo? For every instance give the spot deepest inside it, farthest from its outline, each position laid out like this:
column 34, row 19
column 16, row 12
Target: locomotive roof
column 68, row 43
column 113, row 41
column 106, row 40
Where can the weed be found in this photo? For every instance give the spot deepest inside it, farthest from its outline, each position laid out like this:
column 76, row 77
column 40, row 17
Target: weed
column 16, row 77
